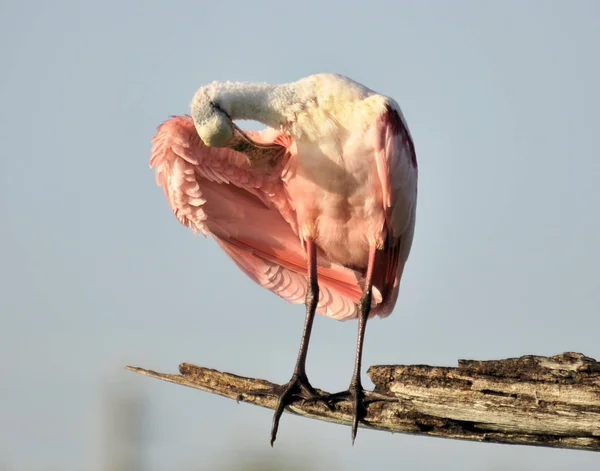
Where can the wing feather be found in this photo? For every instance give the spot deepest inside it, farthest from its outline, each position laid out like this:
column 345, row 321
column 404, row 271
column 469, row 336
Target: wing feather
column 398, row 173
column 215, row 192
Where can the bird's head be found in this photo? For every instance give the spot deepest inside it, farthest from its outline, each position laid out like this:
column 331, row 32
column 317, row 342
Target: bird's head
column 213, row 125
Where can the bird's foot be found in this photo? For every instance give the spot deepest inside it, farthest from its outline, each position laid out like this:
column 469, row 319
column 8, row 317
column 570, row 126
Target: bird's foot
column 296, row 388
column 356, row 394
column 359, row 398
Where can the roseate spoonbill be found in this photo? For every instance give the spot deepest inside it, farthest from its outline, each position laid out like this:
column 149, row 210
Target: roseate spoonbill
column 320, row 206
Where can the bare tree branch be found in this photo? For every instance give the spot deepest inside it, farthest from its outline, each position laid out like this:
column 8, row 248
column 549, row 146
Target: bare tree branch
column 532, row 400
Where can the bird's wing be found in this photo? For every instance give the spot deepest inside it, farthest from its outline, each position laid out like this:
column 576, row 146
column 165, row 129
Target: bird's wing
column 214, row 191
column 397, row 169
column 285, row 275
column 181, row 159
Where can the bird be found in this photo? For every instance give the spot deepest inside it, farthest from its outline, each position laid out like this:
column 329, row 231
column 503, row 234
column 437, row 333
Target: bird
column 318, row 207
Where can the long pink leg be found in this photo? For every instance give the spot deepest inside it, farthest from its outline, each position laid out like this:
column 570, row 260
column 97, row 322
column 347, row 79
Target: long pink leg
column 356, row 391
column 311, row 301
column 364, row 309
column 299, row 386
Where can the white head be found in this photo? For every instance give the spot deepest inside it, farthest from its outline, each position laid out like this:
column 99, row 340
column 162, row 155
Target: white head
column 215, row 106
column 213, row 125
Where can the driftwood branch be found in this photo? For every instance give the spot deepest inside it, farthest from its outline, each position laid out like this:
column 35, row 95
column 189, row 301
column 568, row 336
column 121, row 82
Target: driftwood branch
column 532, row 400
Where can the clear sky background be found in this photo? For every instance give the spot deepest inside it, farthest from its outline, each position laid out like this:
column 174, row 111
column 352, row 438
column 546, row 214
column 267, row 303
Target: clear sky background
column 502, row 100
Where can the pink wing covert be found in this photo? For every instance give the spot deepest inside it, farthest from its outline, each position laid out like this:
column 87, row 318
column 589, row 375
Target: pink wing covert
column 396, row 162
column 216, row 192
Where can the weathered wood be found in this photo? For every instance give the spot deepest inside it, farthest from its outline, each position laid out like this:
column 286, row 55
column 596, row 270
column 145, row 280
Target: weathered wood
column 531, row 400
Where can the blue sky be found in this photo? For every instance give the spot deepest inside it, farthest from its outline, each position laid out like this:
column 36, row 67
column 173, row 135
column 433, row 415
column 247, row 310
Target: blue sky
column 501, row 99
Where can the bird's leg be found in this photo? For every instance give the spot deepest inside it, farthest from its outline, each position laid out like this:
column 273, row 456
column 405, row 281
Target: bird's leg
column 356, row 391
column 298, row 386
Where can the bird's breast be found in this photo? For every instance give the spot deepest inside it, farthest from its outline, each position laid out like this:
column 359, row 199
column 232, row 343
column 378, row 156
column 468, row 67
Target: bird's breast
column 338, row 201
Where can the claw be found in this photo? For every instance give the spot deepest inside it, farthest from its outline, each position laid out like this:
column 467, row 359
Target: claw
column 359, row 398
column 297, row 388
column 357, row 394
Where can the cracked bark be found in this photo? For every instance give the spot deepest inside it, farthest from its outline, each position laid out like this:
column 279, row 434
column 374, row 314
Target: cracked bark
column 531, row 400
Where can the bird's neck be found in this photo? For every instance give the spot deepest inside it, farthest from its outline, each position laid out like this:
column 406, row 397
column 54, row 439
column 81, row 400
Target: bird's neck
column 263, row 102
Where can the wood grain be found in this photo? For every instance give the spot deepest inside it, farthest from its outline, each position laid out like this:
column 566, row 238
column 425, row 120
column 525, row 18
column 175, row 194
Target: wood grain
column 531, row 400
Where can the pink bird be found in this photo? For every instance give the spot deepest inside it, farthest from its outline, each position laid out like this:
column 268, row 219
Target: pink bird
column 318, row 207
